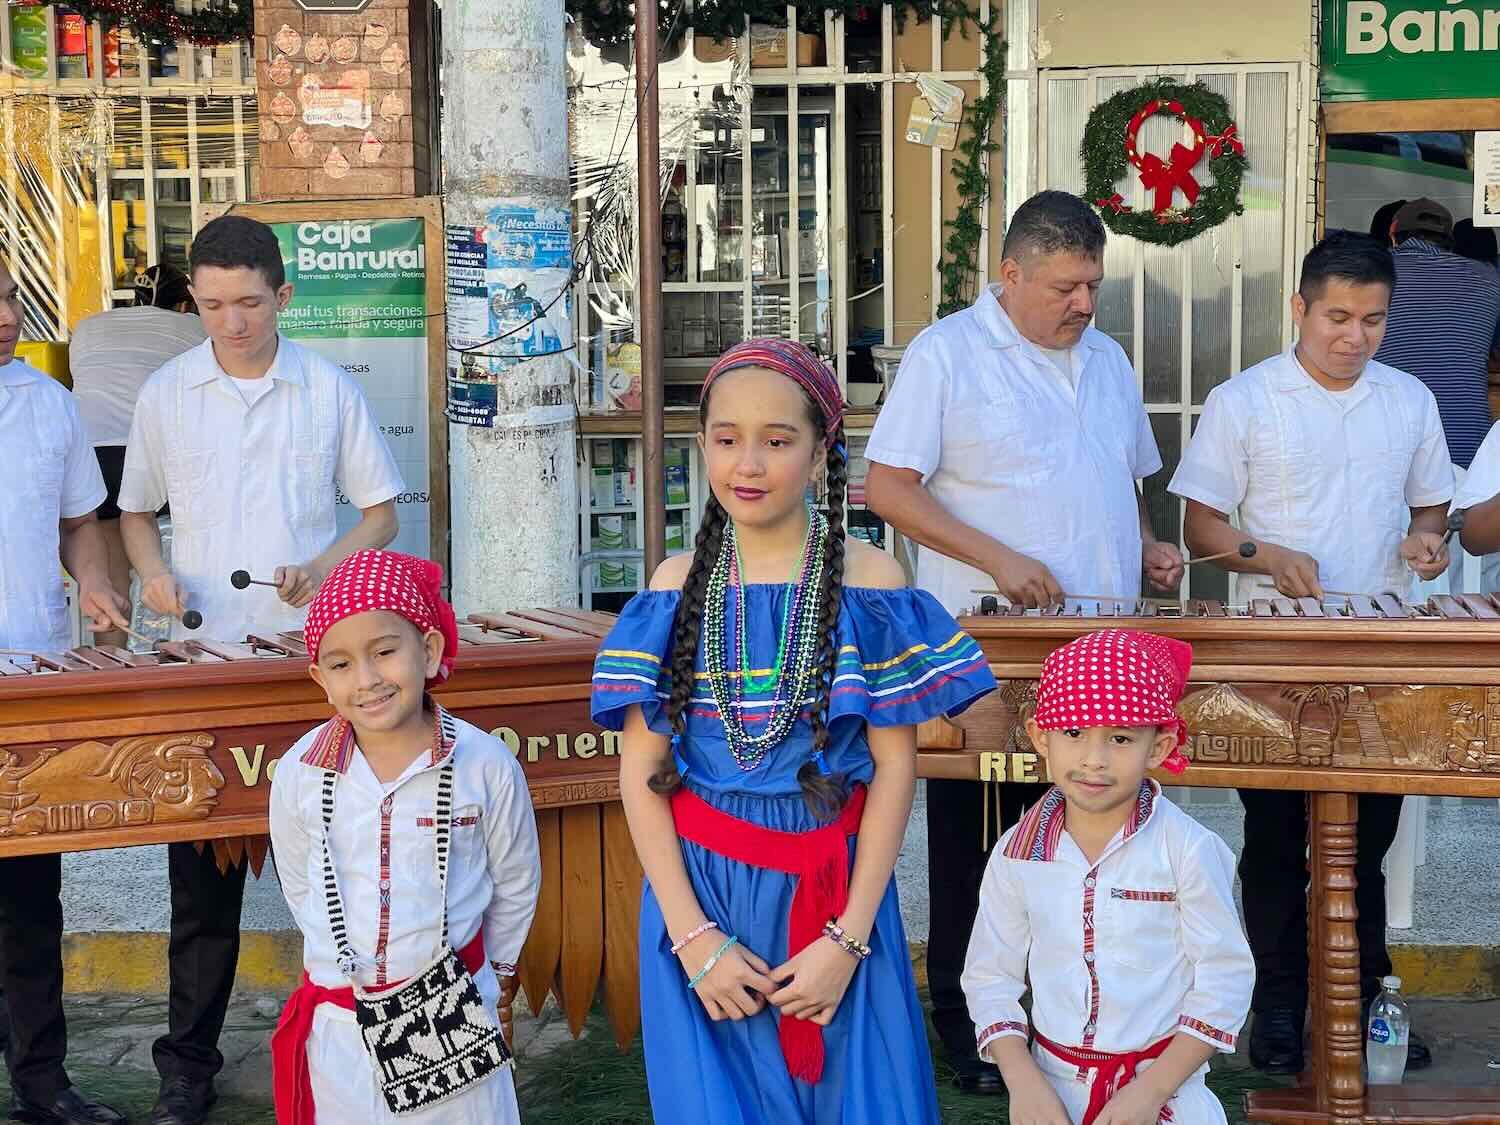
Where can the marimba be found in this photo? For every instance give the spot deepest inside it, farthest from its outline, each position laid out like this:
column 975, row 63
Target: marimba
column 1353, row 695
column 103, row 748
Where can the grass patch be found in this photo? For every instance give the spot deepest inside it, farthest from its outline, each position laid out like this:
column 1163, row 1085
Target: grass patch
column 589, row 1082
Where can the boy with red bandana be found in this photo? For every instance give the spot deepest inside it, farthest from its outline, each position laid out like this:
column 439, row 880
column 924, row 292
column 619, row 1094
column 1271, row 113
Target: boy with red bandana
column 1105, row 881
column 361, row 810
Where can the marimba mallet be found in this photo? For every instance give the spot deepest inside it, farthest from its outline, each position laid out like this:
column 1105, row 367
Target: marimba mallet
column 1245, row 550
column 241, row 580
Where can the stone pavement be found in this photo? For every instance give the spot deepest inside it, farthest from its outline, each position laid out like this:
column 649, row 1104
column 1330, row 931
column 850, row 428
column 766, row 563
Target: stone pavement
column 110, row 1049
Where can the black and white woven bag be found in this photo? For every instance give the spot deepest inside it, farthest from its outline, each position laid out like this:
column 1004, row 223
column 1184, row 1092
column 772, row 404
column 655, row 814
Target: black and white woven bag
column 430, row 1038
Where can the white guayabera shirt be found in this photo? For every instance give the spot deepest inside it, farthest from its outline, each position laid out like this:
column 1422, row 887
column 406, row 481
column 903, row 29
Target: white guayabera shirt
column 1334, row 475
column 1041, row 460
column 48, row 473
column 252, row 469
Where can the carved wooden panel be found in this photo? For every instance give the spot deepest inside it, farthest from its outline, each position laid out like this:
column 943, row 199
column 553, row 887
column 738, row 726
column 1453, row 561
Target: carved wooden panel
column 214, row 782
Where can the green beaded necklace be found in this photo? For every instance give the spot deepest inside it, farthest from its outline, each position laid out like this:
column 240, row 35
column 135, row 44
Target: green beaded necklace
column 796, row 644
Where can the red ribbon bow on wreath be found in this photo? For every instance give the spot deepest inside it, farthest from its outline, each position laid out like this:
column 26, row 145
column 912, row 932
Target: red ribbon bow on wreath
column 1115, row 203
column 1165, row 178
column 1228, row 139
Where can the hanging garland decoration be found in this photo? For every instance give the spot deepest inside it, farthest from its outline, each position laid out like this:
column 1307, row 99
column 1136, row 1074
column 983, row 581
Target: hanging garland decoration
column 611, row 23
column 158, row 21
column 960, row 263
column 1110, row 149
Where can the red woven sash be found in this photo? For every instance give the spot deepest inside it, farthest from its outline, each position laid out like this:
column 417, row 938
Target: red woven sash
column 819, row 859
column 1110, row 1071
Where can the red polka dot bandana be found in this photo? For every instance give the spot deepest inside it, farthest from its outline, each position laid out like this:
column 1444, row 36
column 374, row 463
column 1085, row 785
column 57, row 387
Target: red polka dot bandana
column 1116, row 678
column 370, row 580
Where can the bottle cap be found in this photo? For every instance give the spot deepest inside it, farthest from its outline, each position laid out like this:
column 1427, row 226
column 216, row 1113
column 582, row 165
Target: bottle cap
column 1391, row 984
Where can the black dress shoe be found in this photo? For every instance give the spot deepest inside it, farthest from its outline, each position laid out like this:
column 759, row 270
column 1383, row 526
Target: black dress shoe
column 972, row 1075
column 70, row 1107
column 183, row 1101
column 1276, row 1041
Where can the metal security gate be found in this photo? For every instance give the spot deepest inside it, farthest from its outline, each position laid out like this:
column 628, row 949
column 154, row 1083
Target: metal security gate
column 1191, row 316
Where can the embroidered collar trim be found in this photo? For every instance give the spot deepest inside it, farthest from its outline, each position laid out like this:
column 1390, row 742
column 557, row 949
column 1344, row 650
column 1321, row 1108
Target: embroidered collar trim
column 1036, row 836
column 333, row 748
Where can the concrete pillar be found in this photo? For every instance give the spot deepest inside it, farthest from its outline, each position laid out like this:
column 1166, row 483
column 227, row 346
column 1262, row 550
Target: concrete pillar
column 513, row 484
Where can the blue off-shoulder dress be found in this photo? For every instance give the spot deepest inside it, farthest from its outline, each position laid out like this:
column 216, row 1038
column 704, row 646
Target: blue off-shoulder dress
column 902, row 659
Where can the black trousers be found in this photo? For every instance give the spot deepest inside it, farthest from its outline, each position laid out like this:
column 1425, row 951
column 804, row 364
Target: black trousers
column 956, row 856
column 203, row 950
column 1273, row 875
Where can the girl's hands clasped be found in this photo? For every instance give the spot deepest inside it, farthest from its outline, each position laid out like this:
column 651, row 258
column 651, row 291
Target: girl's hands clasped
column 814, row 981
column 737, row 983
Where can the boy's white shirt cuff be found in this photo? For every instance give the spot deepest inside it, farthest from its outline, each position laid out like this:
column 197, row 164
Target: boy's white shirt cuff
column 1206, row 1032
column 984, row 1036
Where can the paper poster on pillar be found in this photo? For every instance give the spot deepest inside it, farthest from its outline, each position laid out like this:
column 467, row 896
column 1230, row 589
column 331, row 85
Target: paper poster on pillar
column 473, row 372
column 359, row 299
column 508, row 301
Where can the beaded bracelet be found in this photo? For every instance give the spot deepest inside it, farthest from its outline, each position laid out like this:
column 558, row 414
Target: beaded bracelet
column 692, row 935
column 835, row 933
column 711, row 962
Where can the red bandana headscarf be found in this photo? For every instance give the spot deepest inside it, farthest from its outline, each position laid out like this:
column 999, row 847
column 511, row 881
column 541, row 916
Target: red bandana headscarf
column 402, row 584
column 797, row 362
column 1117, row 678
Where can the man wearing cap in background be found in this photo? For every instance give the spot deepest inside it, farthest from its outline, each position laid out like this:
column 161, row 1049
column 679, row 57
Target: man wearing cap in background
column 1444, row 322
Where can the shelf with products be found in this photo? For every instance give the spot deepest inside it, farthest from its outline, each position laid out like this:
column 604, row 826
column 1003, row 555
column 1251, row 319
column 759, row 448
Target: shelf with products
column 611, row 524
column 612, row 559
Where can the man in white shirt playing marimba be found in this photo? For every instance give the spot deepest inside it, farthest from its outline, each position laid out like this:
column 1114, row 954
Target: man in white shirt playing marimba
column 247, row 436
column 1010, row 449
column 1338, row 470
column 46, row 517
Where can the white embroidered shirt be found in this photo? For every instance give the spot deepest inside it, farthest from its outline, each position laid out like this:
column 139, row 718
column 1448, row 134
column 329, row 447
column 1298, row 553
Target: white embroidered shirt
column 1120, row 953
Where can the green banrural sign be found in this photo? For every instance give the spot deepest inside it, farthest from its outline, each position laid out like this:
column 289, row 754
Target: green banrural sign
column 1404, row 49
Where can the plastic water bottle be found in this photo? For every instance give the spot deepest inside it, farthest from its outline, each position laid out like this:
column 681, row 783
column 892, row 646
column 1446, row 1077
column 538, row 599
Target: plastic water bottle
column 1386, row 1036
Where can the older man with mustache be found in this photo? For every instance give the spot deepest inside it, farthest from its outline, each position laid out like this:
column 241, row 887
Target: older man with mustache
column 1009, row 450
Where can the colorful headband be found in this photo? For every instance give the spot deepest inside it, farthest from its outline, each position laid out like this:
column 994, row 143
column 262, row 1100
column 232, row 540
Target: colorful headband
column 797, row 362
column 1117, row 678
column 401, row 584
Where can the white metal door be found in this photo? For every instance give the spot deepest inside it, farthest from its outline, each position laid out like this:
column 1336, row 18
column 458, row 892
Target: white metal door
column 1191, row 316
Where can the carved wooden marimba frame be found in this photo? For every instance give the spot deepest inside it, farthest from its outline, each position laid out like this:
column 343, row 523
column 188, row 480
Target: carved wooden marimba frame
column 104, row 748
column 1362, row 696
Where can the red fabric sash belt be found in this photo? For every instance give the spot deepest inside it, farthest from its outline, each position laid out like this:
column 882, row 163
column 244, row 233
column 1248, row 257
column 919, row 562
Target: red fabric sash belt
column 289, row 1071
column 1110, row 1071
column 819, row 859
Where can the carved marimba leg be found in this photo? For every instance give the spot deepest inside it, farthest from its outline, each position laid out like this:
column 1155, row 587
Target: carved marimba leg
column 1333, row 956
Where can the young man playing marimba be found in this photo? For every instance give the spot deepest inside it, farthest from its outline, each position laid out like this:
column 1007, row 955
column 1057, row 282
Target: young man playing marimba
column 1338, row 470
column 46, row 515
column 246, row 436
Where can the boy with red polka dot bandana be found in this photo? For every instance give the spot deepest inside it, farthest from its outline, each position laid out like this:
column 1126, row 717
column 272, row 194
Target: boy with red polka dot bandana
column 1106, row 882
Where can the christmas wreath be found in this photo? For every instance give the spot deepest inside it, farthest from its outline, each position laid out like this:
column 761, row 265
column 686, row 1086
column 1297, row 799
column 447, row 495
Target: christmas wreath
column 1110, row 149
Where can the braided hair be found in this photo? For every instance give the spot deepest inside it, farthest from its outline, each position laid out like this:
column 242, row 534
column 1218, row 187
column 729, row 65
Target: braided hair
column 824, row 794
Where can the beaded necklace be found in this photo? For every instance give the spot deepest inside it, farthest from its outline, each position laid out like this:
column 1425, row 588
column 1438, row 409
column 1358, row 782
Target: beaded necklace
column 797, row 643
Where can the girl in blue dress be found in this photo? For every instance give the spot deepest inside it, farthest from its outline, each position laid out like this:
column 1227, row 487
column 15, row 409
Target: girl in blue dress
column 769, row 686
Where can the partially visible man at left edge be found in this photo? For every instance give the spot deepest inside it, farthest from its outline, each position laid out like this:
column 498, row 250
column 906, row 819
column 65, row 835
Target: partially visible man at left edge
column 50, row 486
